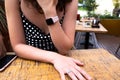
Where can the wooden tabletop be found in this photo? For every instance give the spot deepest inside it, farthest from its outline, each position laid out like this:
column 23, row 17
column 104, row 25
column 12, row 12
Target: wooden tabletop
column 99, row 63
column 82, row 28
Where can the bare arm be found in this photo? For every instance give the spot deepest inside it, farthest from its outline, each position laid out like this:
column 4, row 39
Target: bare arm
column 17, row 37
column 62, row 36
column 62, row 63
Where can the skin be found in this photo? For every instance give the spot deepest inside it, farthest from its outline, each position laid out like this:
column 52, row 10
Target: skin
column 63, row 40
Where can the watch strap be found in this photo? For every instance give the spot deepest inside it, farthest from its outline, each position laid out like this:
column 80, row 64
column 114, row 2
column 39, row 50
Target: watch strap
column 55, row 19
column 52, row 20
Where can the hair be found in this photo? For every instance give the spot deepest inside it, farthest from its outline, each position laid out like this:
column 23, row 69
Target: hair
column 60, row 6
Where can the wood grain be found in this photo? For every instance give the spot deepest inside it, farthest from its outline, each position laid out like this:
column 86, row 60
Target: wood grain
column 81, row 28
column 100, row 64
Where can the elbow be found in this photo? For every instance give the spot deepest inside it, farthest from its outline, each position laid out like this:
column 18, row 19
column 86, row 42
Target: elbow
column 69, row 46
column 65, row 48
column 16, row 49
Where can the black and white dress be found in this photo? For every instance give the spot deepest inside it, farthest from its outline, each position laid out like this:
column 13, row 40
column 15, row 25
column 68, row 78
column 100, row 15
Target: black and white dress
column 35, row 37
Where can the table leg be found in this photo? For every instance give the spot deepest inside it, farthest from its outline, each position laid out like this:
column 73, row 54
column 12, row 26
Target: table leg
column 87, row 43
column 86, row 40
column 117, row 49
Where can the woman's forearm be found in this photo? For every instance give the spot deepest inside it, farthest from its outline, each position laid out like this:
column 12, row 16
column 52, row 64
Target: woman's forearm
column 59, row 37
column 29, row 52
column 62, row 37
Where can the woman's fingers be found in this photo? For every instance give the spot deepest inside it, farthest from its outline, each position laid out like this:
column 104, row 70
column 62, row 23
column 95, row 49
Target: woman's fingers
column 62, row 75
column 78, row 62
column 61, row 72
column 78, row 74
column 69, row 66
column 83, row 73
column 72, row 75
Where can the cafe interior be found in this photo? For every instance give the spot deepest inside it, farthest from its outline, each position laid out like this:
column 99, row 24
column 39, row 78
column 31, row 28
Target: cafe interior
column 109, row 16
column 97, row 40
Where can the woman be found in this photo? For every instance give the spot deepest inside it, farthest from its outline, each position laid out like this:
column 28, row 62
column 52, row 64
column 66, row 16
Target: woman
column 36, row 33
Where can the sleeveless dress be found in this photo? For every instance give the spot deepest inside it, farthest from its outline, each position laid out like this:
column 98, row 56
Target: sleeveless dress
column 35, row 37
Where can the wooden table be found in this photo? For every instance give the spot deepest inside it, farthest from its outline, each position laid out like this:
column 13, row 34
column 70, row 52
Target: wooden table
column 81, row 28
column 100, row 64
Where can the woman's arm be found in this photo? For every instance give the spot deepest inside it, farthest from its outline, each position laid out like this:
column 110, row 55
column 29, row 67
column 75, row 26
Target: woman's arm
column 62, row 36
column 17, row 37
column 62, row 64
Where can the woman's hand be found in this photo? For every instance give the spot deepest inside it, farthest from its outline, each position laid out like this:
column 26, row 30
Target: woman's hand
column 66, row 65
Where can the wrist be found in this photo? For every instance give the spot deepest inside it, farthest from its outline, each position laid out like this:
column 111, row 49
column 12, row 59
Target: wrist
column 52, row 20
column 50, row 13
column 55, row 57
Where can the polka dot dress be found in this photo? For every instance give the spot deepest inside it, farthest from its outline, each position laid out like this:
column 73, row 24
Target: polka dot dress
column 35, row 37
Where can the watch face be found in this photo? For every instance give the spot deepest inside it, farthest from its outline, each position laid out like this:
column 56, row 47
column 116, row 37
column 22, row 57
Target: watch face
column 49, row 21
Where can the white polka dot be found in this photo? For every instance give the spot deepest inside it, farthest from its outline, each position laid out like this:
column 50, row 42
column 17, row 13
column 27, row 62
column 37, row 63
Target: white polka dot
column 37, row 32
column 43, row 44
column 27, row 28
column 29, row 25
column 33, row 32
column 23, row 20
column 38, row 37
column 26, row 23
column 30, row 30
column 32, row 27
column 35, row 37
column 44, row 36
column 40, row 45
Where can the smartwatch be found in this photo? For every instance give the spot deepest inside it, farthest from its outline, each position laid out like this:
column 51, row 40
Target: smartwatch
column 52, row 20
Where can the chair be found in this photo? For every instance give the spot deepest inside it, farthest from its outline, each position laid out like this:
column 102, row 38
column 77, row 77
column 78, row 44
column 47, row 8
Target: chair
column 117, row 49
